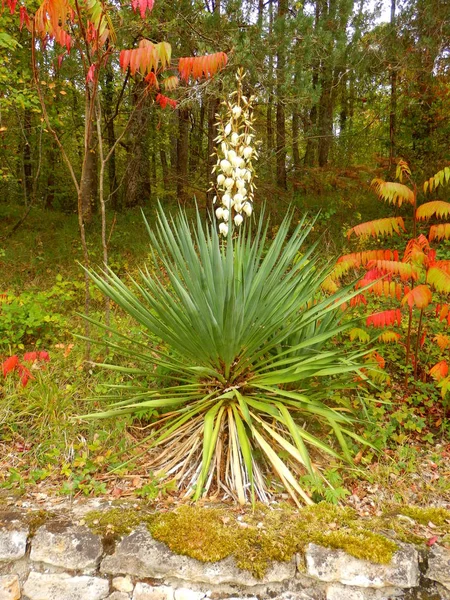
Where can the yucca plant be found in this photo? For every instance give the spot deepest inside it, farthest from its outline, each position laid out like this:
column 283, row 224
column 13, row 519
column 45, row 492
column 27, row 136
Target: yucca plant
column 234, row 342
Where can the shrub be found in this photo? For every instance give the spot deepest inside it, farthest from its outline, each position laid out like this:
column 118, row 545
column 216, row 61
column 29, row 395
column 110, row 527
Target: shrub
column 234, row 343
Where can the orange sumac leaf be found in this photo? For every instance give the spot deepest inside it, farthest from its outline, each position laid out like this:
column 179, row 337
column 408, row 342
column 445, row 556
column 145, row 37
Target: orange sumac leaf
column 341, row 268
column 420, row 297
column 151, row 80
column 442, row 340
column 439, row 178
column 362, row 258
column 442, row 311
column 358, row 299
column 439, row 371
column 329, row 285
column 405, row 270
column 419, row 244
column 170, row 83
column 385, row 318
column 201, row 66
column 436, row 208
column 389, row 337
column 442, row 264
column 439, row 279
column 388, row 289
column 387, row 226
column 394, row 193
column 439, row 232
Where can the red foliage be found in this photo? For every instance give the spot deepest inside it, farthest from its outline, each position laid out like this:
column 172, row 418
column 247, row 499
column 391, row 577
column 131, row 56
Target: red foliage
column 24, row 18
column 13, row 364
column 10, row 364
column 385, row 318
column 439, row 371
column 358, row 299
column 163, row 101
column 143, row 6
column 201, row 66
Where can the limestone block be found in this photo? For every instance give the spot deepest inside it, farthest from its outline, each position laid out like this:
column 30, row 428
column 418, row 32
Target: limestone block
column 9, row 587
column 300, row 595
column 143, row 591
column 439, row 566
column 13, row 543
column 337, row 591
column 62, row 586
column 336, row 566
column 122, row 584
column 139, row 555
column 187, row 594
column 71, row 547
column 118, row 596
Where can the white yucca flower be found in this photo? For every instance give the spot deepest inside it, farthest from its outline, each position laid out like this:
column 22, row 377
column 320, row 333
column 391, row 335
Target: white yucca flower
column 223, row 228
column 235, row 153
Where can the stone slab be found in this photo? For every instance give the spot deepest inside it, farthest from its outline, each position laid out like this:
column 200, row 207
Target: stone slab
column 330, row 565
column 62, row 586
column 9, row 587
column 123, row 584
column 337, row 591
column 71, row 547
column 143, row 591
column 119, row 596
column 13, row 543
column 439, row 566
column 187, row 594
column 139, row 555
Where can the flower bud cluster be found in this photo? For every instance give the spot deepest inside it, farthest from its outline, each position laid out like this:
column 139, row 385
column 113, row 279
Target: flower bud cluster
column 234, row 172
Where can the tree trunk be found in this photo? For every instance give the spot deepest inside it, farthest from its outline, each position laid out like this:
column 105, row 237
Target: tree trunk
column 393, row 99
column 182, row 154
column 137, row 183
column 213, row 107
column 27, row 164
column 111, row 136
column 89, row 175
column 310, row 124
column 281, row 93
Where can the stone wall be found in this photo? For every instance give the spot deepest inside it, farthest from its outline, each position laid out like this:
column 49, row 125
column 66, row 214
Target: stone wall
column 63, row 560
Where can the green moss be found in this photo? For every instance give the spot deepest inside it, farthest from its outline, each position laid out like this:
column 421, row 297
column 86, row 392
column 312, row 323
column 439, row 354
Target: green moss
column 437, row 516
column 257, row 538
column 115, row 522
column 200, row 533
column 37, row 518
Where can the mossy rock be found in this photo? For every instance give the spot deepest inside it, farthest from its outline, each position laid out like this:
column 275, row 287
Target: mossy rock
column 256, row 537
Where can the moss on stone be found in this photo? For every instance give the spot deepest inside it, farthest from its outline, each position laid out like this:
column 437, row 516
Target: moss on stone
column 257, row 538
column 115, row 522
column 200, row 533
column 435, row 515
column 37, row 518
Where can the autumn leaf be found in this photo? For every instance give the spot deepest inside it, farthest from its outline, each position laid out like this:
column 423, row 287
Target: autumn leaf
column 436, row 208
column 393, row 193
column 439, row 371
column 10, row 364
column 385, row 318
column 439, row 279
column 362, row 258
column 378, row 227
column 419, row 297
